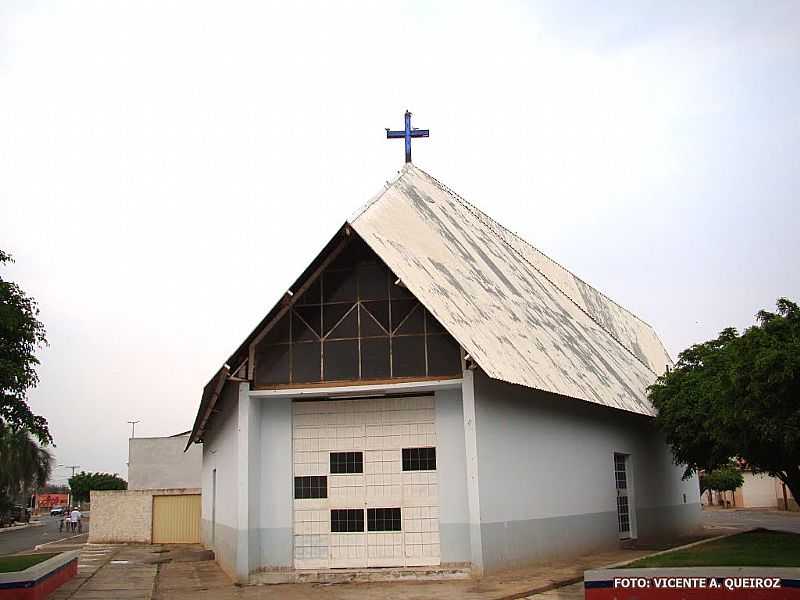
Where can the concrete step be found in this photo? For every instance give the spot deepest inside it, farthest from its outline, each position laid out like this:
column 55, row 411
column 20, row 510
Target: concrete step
column 360, row 575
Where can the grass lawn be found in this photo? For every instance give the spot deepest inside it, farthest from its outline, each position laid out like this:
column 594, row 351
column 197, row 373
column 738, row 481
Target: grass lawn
column 761, row 548
column 20, row 562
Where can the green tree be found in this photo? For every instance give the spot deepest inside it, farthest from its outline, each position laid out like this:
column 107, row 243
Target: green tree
column 737, row 396
column 82, row 483
column 21, row 335
column 25, row 464
column 724, row 479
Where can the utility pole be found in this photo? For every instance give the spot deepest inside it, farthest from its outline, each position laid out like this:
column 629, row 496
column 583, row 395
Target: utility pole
column 73, row 467
column 133, row 427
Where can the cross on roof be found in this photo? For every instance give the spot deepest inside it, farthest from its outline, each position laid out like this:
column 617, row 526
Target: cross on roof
column 407, row 134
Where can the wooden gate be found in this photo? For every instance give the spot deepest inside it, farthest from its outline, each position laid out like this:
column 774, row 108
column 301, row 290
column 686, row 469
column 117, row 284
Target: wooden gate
column 176, row 519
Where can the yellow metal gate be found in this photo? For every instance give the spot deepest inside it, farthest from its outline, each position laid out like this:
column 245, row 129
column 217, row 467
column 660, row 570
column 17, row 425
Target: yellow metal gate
column 176, row 519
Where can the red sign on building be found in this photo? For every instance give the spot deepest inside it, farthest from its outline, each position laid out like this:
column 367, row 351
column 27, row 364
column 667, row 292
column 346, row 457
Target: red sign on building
column 51, row 500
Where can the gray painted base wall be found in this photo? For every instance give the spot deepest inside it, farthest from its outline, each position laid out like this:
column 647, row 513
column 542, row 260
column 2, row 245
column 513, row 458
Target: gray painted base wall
column 277, row 545
column 663, row 522
column 225, row 541
column 517, row 543
column 454, row 543
column 513, row 543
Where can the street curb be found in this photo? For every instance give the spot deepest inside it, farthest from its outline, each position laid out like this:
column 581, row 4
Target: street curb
column 542, row 588
column 573, row 580
column 18, row 527
column 677, row 548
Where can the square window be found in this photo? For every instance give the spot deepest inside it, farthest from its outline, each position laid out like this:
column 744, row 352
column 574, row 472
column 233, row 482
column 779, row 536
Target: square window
column 341, row 360
column 408, row 356
column 347, row 462
column 444, row 357
column 383, row 519
column 419, row 459
column 375, row 358
column 272, row 364
column 306, row 362
column 347, row 520
column 310, row 487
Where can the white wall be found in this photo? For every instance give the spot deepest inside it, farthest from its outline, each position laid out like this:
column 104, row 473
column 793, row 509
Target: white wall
column 545, row 468
column 220, row 452
column 160, row 462
column 452, row 471
column 759, row 490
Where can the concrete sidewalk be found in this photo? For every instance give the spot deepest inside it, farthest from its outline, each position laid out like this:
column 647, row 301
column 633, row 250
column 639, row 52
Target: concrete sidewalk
column 205, row 581
column 143, row 572
column 107, row 571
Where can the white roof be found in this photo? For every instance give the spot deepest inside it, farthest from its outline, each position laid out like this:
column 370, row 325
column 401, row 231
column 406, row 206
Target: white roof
column 521, row 316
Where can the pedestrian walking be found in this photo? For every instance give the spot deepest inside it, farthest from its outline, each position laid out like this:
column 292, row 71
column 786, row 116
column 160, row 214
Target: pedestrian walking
column 75, row 519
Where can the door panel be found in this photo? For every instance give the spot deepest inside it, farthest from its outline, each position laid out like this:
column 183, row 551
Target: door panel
column 623, row 506
column 379, row 429
column 176, row 519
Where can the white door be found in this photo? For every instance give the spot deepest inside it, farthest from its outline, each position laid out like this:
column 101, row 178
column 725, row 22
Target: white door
column 366, row 486
column 623, row 507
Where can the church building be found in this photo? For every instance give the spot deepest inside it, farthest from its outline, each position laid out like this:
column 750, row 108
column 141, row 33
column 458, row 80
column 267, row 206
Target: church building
column 431, row 392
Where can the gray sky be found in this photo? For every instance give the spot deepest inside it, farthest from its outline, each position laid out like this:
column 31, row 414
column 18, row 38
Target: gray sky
column 168, row 168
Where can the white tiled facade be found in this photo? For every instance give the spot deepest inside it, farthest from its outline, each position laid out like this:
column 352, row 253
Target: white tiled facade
column 379, row 428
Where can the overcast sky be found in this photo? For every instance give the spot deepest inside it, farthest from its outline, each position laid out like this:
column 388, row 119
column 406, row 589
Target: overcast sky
column 168, row 168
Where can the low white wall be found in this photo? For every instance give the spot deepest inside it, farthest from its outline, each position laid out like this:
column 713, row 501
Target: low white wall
column 758, row 491
column 126, row 516
column 160, row 462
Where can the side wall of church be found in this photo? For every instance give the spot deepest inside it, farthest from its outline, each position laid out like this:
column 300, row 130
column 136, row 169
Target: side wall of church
column 547, row 482
column 220, row 517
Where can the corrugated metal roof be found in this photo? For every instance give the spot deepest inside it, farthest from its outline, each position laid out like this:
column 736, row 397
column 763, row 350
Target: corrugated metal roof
column 521, row 316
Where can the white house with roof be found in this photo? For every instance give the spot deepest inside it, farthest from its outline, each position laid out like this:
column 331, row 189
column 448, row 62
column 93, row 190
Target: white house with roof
column 433, row 390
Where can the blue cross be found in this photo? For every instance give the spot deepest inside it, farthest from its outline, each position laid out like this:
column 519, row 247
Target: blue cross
column 407, row 134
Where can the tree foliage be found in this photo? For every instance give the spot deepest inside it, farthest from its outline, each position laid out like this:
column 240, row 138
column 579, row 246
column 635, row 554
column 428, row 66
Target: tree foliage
column 25, row 464
column 82, row 483
column 738, row 396
column 21, row 335
column 724, row 479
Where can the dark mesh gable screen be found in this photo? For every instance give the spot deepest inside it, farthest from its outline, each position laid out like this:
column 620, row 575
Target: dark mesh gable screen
column 354, row 324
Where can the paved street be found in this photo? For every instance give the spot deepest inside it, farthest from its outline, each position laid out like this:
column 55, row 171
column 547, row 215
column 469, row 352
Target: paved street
column 15, row 541
column 727, row 520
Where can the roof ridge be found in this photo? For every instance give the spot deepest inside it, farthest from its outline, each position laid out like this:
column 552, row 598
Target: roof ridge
column 387, row 184
column 473, row 209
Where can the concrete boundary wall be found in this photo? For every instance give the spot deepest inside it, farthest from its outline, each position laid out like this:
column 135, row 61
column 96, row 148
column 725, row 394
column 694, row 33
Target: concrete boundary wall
column 126, row 516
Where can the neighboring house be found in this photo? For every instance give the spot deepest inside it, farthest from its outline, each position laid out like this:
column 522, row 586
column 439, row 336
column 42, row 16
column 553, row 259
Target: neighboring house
column 433, row 390
column 160, row 462
column 162, row 502
column 757, row 491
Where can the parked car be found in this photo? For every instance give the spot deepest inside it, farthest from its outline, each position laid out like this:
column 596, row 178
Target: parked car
column 56, row 511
